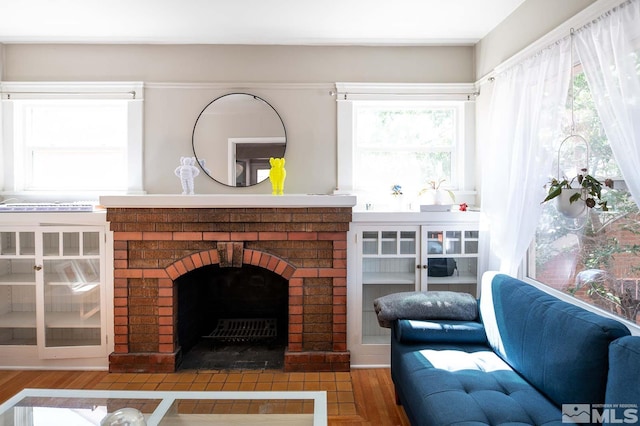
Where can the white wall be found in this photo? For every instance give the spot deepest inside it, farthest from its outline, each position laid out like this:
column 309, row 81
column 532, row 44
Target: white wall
column 296, row 80
column 532, row 20
column 183, row 79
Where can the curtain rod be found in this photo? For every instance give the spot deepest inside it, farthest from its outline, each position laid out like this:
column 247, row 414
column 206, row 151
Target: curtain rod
column 132, row 93
column 579, row 20
column 238, row 85
column 345, row 95
column 442, row 91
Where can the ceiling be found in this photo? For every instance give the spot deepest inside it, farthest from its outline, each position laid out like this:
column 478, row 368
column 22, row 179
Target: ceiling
column 303, row 22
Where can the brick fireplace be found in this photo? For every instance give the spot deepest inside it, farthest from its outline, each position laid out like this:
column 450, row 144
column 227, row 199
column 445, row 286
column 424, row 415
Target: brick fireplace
column 301, row 238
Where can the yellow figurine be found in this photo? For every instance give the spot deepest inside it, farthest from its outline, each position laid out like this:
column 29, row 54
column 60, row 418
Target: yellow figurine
column 277, row 174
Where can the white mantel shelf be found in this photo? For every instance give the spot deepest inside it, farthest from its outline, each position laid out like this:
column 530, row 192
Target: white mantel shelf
column 227, row 201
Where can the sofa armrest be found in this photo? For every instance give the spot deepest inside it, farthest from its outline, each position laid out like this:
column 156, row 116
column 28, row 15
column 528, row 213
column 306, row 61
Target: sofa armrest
column 425, row 305
column 439, row 331
column 624, row 371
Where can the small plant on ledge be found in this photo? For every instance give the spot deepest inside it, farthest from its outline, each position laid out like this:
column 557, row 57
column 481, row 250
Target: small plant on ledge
column 396, row 190
column 588, row 193
column 433, row 188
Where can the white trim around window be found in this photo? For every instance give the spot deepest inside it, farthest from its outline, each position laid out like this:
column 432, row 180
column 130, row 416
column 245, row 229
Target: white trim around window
column 349, row 93
column 14, row 93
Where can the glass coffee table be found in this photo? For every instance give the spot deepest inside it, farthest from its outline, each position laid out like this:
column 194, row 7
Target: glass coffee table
column 52, row 407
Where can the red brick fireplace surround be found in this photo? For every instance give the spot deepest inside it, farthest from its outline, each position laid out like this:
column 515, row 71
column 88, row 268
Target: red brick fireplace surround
column 155, row 245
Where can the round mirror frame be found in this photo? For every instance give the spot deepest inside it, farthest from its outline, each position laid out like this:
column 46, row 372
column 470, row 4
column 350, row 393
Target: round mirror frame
column 193, row 134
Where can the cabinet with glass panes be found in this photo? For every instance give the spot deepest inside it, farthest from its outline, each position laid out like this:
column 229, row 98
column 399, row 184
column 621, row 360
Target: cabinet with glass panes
column 389, row 259
column 52, row 288
column 451, row 259
column 17, row 288
column 386, row 259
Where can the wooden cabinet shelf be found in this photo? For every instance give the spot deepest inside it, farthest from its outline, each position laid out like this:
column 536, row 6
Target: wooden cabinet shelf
column 388, row 278
column 18, row 320
column 52, row 320
column 71, row 320
column 18, row 279
column 464, row 277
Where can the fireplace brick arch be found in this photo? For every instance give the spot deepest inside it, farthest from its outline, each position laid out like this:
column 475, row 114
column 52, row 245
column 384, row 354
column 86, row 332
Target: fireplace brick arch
column 153, row 247
column 229, row 254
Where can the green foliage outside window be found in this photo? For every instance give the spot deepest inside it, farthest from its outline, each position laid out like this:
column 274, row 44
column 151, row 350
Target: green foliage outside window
column 596, row 257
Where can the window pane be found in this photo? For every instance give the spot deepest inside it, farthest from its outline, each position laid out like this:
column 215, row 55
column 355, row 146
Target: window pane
column 408, row 144
column 73, row 144
column 86, row 170
column 403, row 127
column 380, row 170
column 77, row 123
column 595, row 257
column 597, row 263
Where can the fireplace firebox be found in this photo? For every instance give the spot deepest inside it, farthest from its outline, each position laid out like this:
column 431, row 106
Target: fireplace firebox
column 232, row 318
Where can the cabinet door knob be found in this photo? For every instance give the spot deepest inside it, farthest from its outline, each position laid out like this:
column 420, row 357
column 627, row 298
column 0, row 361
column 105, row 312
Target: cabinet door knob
column 37, row 267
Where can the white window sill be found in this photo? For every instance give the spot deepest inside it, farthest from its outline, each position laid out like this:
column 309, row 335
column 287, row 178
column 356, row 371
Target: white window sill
column 58, row 197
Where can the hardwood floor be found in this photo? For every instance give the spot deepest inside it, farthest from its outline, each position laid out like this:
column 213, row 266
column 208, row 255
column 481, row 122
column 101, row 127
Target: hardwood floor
column 375, row 399
column 360, row 397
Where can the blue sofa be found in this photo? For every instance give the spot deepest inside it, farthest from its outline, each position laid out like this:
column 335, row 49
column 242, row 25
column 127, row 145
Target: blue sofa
column 528, row 359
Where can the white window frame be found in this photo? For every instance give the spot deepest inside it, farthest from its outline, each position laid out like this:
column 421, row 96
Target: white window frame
column 133, row 92
column 463, row 95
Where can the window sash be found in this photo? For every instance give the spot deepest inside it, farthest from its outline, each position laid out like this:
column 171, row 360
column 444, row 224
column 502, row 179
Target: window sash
column 17, row 178
column 49, row 160
column 462, row 96
column 414, row 152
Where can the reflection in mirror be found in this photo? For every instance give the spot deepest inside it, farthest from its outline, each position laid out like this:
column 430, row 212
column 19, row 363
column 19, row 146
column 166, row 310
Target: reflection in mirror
column 234, row 137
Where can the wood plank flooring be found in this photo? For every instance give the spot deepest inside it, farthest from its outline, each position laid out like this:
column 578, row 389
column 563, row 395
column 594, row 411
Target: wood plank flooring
column 361, row 397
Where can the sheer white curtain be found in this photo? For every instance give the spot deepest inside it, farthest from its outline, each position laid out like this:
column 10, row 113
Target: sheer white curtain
column 526, row 107
column 609, row 50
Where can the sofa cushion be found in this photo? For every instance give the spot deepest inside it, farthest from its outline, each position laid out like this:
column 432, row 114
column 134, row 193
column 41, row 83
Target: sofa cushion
column 465, row 385
column 623, row 384
column 425, row 305
column 440, row 331
column 558, row 347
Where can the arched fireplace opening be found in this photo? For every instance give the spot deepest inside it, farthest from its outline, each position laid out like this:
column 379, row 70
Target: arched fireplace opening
column 232, row 318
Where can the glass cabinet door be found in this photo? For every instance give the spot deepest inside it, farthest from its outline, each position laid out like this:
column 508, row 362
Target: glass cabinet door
column 450, row 260
column 72, row 289
column 389, row 259
column 17, row 288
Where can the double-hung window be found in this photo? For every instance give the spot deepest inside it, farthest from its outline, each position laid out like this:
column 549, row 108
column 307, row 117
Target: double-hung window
column 420, row 134
column 71, row 140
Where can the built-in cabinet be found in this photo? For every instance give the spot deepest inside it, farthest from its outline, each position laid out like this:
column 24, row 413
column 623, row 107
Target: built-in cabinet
column 391, row 253
column 54, row 289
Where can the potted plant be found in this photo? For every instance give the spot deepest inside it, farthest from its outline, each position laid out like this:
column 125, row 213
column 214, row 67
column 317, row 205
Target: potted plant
column 398, row 197
column 574, row 201
column 437, row 194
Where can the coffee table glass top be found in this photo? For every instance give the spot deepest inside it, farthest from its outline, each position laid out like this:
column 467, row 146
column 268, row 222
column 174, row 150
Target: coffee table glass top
column 52, row 407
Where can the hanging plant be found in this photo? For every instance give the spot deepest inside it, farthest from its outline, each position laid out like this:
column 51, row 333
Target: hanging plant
column 573, row 200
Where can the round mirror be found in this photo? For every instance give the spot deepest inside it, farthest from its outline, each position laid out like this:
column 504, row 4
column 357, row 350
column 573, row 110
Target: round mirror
column 234, row 137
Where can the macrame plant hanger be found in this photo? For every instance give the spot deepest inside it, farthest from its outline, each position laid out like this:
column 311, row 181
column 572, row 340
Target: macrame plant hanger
column 575, row 213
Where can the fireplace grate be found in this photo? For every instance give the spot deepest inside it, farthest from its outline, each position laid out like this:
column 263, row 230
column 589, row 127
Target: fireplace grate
column 244, row 330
